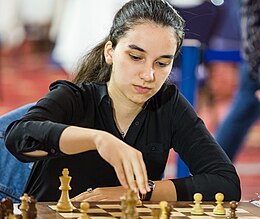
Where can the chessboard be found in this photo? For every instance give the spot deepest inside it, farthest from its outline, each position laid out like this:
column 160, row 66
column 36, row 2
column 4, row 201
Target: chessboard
column 180, row 210
column 130, row 206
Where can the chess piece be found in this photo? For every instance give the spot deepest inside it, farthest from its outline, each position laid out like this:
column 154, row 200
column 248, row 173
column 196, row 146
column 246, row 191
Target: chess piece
column 31, row 211
column 138, row 199
column 232, row 212
column 11, row 216
column 165, row 210
column 130, row 211
column 2, row 211
column 24, row 204
column 7, row 204
column 197, row 209
column 64, row 204
column 219, row 209
column 123, row 207
column 84, row 206
column 156, row 213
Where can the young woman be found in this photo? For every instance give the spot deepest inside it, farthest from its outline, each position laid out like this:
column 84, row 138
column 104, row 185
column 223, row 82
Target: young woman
column 114, row 126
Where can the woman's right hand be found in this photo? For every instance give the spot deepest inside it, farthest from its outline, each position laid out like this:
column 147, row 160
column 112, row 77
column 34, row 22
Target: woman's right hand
column 126, row 160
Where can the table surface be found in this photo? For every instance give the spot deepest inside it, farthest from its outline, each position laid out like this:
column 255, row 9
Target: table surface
column 44, row 211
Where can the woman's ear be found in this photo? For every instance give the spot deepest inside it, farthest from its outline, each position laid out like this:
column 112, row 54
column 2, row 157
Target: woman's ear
column 108, row 52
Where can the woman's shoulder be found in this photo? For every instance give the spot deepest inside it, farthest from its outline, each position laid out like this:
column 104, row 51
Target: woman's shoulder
column 77, row 87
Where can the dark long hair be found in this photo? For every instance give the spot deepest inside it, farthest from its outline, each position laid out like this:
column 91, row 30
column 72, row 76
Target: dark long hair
column 94, row 67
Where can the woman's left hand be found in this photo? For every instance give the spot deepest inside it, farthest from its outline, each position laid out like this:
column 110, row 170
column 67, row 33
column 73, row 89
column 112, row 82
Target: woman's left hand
column 101, row 194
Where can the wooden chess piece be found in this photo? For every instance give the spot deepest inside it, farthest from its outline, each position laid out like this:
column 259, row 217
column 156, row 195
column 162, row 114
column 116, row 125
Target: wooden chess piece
column 2, row 211
column 123, row 207
column 24, row 204
column 197, row 209
column 232, row 212
column 8, row 206
column 84, row 206
column 11, row 216
column 64, row 204
column 165, row 210
column 31, row 211
column 131, row 212
column 156, row 213
column 138, row 199
column 219, row 209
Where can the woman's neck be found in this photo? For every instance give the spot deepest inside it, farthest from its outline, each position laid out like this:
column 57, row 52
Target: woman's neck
column 124, row 110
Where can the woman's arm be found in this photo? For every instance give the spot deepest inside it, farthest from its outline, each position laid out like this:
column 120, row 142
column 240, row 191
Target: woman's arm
column 210, row 168
column 126, row 160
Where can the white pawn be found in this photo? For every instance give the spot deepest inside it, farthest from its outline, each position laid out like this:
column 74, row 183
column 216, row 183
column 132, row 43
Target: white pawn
column 84, row 206
column 165, row 211
column 64, row 204
column 197, row 209
column 219, row 209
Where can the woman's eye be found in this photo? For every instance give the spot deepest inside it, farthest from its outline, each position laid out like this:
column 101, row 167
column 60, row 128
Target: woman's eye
column 161, row 64
column 135, row 58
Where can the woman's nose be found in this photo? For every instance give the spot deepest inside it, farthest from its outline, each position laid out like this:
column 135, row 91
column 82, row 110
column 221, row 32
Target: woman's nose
column 147, row 74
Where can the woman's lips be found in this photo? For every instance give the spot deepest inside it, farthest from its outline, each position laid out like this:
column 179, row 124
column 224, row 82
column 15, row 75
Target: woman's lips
column 142, row 90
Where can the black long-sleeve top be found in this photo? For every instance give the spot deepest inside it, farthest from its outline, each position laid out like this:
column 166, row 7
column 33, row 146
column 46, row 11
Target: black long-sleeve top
column 166, row 121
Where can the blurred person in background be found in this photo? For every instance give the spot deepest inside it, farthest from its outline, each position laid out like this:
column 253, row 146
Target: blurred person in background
column 245, row 109
column 217, row 29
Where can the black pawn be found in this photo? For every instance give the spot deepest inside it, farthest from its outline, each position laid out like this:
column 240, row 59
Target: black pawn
column 32, row 210
column 8, row 206
column 233, row 207
column 2, row 211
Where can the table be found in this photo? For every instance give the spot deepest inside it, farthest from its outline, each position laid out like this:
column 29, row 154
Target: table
column 112, row 209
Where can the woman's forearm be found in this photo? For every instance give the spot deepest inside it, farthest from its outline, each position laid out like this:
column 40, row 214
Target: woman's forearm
column 164, row 190
column 75, row 140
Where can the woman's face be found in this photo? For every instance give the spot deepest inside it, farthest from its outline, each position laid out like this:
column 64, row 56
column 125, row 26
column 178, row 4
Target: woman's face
column 141, row 61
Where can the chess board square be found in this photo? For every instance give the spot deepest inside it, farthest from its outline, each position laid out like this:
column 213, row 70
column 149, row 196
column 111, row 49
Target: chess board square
column 116, row 214
column 101, row 217
column 152, row 205
column 112, row 206
column 214, row 215
column 143, row 210
column 70, row 215
column 146, row 217
column 204, row 206
column 176, row 213
column 96, row 210
column 183, row 209
column 252, row 217
column 200, row 217
column 239, row 210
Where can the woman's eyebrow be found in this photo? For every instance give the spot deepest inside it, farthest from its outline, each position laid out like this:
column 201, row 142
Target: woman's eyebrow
column 133, row 46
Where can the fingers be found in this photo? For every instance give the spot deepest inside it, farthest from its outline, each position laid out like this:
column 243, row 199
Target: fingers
column 141, row 175
column 144, row 187
column 121, row 176
column 130, row 175
column 132, row 172
column 130, row 169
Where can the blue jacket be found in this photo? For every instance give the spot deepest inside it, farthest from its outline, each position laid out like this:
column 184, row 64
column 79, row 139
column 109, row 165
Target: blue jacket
column 13, row 173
